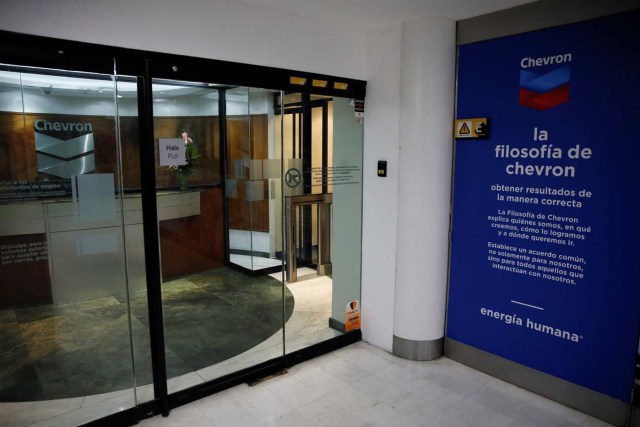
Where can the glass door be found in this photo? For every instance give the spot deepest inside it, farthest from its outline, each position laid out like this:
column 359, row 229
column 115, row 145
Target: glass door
column 218, row 317
column 322, row 205
column 68, row 251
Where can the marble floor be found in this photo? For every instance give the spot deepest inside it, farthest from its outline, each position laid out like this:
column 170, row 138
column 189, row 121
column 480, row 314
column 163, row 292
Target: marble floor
column 307, row 324
column 254, row 262
column 84, row 348
column 361, row 385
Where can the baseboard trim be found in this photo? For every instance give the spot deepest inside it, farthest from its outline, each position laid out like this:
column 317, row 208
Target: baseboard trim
column 590, row 402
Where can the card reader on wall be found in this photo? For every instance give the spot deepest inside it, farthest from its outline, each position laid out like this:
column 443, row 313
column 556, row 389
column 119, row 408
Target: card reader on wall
column 382, row 168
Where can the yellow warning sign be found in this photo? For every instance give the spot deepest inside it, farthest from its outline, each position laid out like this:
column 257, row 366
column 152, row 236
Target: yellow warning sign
column 472, row 128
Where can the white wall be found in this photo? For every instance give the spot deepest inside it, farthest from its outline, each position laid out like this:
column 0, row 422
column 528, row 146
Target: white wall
column 410, row 109
column 380, row 195
column 220, row 29
column 424, row 185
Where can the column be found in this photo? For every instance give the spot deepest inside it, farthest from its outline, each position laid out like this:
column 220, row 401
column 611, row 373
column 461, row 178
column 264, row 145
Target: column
column 427, row 83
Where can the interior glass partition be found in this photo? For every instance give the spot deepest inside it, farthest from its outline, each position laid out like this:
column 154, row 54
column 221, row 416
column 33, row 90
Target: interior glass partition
column 253, row 179
column 66, row 247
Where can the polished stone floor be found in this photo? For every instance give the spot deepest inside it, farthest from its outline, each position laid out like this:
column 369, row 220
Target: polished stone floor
column 83, row 349
column 254, row 262
column 308, row 325
column 363, row 386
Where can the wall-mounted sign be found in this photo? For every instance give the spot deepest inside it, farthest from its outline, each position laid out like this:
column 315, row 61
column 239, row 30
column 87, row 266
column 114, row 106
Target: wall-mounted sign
column 93, row 197
column 171, row 152
column 64, row 148
column 335, row 175
column 293, row 177
column 23, row 191
column 358, row 105
column 544, row 251
column 352, row 316
column 472, row 128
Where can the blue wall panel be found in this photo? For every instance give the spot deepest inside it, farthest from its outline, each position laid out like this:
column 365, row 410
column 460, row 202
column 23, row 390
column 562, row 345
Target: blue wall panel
column 545, row 267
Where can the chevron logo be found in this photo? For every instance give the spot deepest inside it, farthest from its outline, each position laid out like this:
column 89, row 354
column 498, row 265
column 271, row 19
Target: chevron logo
column 63, row 158
column 544, row 91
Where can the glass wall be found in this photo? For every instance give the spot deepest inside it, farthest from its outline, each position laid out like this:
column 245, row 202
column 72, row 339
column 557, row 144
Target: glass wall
column 67, row 239
column 217, row 319
column 258, row 196
column 310, row 220
column 253, row 179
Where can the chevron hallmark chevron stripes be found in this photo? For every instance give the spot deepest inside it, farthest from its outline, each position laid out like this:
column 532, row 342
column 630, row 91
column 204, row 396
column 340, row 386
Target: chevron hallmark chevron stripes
column 64, row 158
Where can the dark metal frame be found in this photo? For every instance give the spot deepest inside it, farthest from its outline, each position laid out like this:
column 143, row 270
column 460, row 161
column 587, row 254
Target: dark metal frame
column 46, row 52
column 222, row 128
column 149, row 409
column 56, row 54
column 152, row 241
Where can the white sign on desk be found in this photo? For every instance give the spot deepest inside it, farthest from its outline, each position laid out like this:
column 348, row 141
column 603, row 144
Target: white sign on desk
column 171, row 152
column 93, row 197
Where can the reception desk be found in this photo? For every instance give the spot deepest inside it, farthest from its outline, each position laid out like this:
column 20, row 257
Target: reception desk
column 84, row 257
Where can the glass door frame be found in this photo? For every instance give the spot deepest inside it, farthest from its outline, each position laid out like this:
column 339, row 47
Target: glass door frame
column 50, row 53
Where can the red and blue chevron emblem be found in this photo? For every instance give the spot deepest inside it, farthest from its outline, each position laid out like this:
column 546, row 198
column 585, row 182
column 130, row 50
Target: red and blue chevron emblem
column 543, row 91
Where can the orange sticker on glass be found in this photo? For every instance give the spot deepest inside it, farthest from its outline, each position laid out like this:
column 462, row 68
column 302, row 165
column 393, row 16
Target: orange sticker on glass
column 352, row 316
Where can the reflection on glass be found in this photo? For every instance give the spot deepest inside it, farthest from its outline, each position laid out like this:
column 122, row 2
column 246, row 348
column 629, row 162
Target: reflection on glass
column 188, row 114
column 253, row 179
column 74, row 321
column 217, row 320
column 64, row 314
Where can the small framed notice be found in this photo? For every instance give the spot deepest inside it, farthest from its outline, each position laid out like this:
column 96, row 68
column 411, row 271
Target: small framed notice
column 352, row 316
column 171, row 152
column 472, row 128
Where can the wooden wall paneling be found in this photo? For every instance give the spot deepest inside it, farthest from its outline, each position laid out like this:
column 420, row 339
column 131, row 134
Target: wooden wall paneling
column 259, row 136
column 194, row 244
column 18, row 156
column 25, row 279
column 130, row 139
column 247, row 139
column 14, row 148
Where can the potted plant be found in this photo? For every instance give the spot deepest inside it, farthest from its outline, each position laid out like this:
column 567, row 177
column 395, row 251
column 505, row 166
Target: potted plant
column 192, row 156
